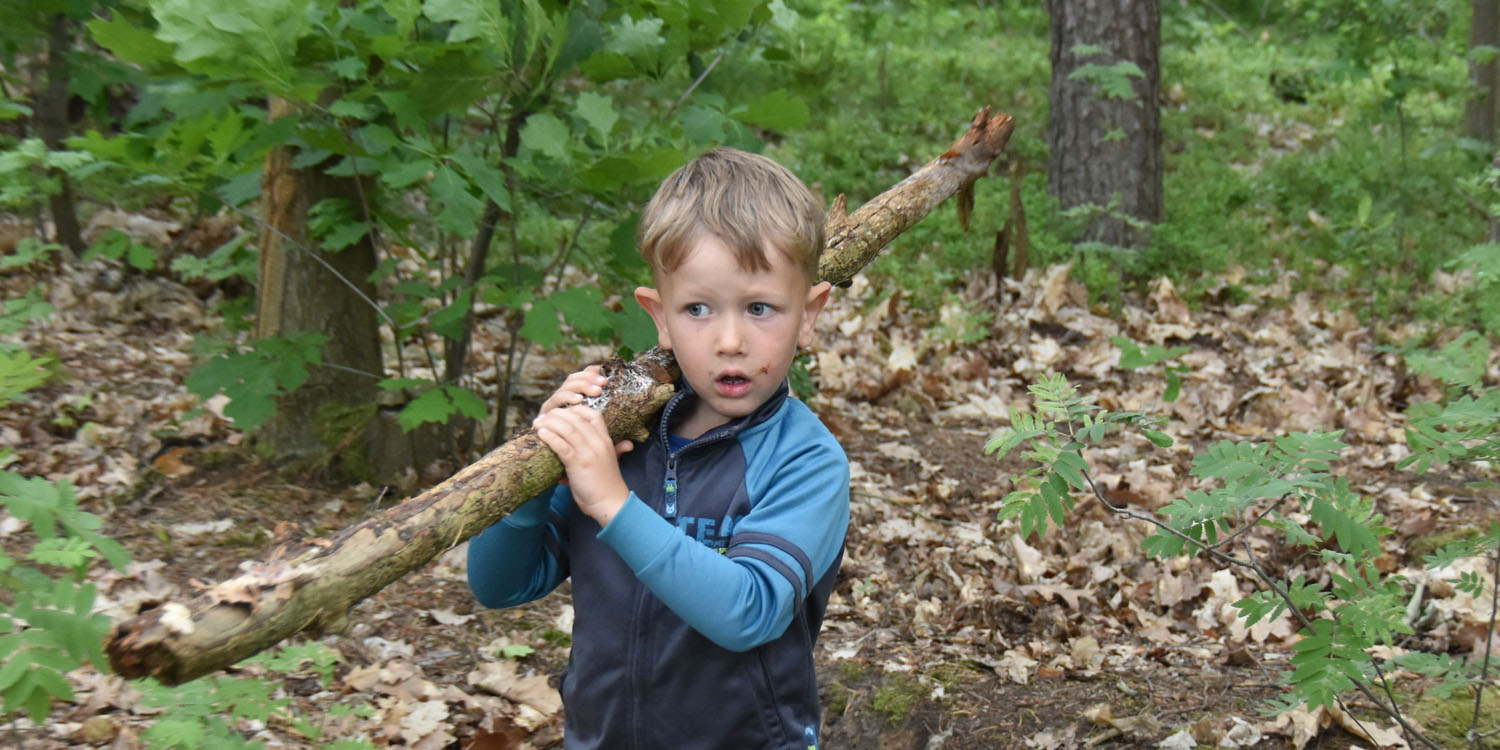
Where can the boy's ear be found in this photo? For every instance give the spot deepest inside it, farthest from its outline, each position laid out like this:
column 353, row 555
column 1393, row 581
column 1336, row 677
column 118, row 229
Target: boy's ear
column 817, row 297
column 651, row 300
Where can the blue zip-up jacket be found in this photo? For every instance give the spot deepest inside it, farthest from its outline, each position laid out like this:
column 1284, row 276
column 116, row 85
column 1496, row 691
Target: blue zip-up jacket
column 697, row 607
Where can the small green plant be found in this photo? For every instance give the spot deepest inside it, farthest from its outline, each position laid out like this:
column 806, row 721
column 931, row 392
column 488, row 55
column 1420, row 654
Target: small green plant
column 28, row 251
column 1268, row 485
column 1113, row 81
column 47, row 623
column 48, row 628
column 29, row 171
column 206, row 712
column 252, row 379
column 1133, row 357
column 117, row 245
column 20, row 372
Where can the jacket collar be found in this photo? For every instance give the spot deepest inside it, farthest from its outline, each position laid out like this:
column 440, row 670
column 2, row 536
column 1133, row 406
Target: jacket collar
column 685, row 397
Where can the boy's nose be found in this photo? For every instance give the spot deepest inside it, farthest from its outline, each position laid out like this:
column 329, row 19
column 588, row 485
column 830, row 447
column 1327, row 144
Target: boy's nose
column 730, row 339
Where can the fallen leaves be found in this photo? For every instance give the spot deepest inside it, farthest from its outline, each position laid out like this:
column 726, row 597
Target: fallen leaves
column 930, row 576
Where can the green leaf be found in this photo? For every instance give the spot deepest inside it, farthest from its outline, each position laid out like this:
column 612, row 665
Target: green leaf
column 637, row 330
column 1071, row 466
column 127, row 41
column 466, row 402
column 702, row 125
column 546, row 135
column 516, row 651
column 351, row 108
column 636, row 38
column 450, row 321
column 583, row 309
column 603, row 67
column 774, row 111
column 1159, row 438
column 257, row 41
column 599, row 112
column 489, row 179
column 471, row 19
column 460, row 211
column 438, row 404
column 20, row 372
column 405, row 170
column 1132, row 357
column 1174, row 386
column 29, row 250
column 541, row 326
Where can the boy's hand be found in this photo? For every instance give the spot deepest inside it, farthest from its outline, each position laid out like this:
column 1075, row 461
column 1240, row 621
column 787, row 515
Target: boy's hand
column 581, row 441
column 586, row 382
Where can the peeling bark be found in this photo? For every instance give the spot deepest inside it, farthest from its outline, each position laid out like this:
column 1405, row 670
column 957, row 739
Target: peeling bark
column 309, row 584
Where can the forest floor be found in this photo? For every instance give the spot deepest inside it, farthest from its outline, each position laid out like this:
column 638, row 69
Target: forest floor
column 947, row 629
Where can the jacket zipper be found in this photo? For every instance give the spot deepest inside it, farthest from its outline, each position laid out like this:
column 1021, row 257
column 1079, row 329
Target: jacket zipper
column 669, row 484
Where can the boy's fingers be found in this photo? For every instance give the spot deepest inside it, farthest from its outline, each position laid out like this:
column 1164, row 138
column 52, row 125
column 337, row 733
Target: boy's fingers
column 623, row 447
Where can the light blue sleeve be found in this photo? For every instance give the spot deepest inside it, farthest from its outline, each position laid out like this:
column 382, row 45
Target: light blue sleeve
column 747, row 597
column 513, row 562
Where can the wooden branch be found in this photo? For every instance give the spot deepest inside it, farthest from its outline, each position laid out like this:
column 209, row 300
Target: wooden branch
column 309, row 584
column 855, row 240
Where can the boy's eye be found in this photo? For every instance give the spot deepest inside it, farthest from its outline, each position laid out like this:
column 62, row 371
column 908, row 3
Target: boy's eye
column 759, row 309
column 696, row 310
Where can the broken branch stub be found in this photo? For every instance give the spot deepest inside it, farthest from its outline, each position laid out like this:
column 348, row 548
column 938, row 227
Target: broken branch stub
column 311, row 583
column 854, row 240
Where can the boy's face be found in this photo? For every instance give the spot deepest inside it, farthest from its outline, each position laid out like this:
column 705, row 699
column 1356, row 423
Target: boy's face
column 734, row 332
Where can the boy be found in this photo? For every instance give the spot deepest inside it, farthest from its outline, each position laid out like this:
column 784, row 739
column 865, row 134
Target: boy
column 701, row 560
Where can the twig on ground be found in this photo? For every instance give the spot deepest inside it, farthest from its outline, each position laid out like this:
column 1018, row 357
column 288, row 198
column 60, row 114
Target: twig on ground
column 1484, row 670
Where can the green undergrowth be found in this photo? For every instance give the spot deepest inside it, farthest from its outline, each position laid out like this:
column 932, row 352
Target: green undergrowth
column 1448, row 719
column 1290, row 141
column 898, row 695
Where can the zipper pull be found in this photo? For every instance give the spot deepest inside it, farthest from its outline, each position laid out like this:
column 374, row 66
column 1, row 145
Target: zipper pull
column 670, row 485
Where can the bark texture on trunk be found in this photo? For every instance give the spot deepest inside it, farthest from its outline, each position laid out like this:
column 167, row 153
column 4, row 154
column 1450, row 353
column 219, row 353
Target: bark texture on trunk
column 1103, row 149
column 1484, row 108
column 329, row 294
column 311, row 584
column 52, row 128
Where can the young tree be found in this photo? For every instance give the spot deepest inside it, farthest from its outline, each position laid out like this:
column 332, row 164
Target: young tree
column 1104, row 133
column 1484, row 70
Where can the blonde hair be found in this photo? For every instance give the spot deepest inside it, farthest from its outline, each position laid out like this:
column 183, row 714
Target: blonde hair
column 744, row 200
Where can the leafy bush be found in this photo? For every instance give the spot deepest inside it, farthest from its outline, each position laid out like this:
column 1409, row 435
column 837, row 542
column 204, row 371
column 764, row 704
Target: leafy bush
column 49, row 627
column 1276, row 485
column 206, row 712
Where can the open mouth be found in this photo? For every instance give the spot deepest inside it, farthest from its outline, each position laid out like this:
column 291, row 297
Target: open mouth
column 732, row 385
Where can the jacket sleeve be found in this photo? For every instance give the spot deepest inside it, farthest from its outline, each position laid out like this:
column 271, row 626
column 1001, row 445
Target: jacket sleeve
column 522, row 556
column 787, row 542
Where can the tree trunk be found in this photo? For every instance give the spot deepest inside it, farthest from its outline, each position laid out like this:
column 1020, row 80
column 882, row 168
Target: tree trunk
column 302, row 288
column 1484, row 107
column 311, row 584
column 1106, row 150
column 52, row 128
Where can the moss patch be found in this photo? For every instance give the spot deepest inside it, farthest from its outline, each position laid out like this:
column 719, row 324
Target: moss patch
column 339, row 428
column 1447, row 720
column 897, row 696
